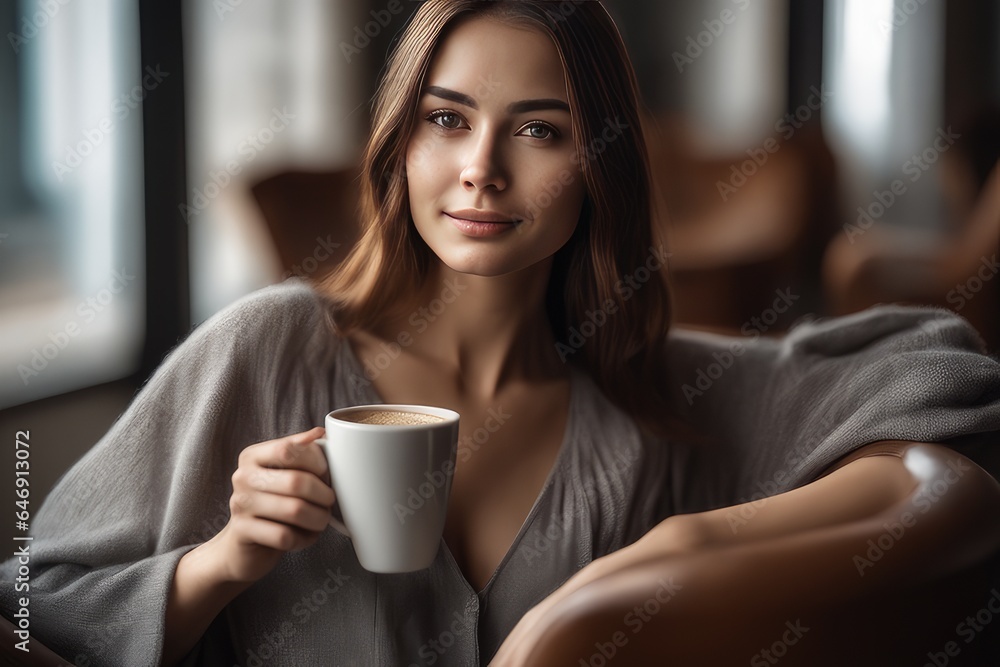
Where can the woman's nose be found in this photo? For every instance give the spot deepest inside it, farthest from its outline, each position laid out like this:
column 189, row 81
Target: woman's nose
column 483, row 166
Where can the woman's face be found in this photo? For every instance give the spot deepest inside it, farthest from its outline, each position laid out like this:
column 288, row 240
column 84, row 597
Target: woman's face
column 493, row 143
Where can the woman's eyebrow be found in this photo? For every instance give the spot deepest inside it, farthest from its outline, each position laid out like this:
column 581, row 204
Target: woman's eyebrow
column 514, row 107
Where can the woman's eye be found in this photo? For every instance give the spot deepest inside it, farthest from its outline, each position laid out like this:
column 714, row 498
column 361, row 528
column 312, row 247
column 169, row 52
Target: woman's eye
column 452, row 121
column 445, row 119
column 540, row 131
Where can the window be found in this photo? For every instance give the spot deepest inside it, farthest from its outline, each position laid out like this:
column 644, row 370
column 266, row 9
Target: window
column 269, row 89
column 71, row 208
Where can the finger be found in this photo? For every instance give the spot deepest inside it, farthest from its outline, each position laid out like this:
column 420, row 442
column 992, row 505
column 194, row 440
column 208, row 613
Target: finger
column 274, row 535
column 293, row 483
column 291, row 511
column 298, row 451
column 256, row 451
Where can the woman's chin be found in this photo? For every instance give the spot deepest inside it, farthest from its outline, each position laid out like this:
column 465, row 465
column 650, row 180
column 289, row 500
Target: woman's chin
column 486, row 258
column 481, row 269
column 485, row 265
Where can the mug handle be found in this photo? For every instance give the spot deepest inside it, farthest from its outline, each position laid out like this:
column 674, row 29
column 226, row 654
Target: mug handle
column 336, row 523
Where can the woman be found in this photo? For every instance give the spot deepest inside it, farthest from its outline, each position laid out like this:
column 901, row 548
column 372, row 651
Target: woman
column 509, row 272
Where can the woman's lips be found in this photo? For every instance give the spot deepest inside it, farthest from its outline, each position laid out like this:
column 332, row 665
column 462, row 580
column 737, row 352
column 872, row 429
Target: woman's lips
column 481, row 229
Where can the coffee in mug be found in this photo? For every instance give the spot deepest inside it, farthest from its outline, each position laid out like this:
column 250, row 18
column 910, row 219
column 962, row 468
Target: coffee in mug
column 389, row 417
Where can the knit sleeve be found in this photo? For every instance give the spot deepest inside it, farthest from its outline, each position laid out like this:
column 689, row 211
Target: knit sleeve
column 108, row 537
column 778, row 412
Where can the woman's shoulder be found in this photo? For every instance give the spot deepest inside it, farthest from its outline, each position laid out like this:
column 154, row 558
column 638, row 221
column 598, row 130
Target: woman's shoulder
column 293, row 300
column 269, row 326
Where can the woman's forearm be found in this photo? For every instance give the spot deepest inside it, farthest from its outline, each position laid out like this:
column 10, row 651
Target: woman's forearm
column 200, row 590
column 768, row 518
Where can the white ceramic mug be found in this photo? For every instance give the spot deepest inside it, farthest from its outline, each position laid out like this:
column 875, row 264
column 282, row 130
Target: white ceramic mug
column 392, row 484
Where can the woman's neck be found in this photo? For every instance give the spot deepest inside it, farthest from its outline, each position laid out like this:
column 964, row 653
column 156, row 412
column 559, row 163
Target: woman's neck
column 487, row 331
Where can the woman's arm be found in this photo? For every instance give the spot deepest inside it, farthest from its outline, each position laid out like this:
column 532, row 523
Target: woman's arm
column 281, row 502
column 804, row 553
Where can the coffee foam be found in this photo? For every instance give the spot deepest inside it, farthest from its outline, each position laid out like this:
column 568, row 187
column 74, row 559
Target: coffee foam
column 390, row 418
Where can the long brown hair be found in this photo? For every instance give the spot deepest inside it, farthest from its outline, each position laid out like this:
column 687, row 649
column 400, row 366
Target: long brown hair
column 609, row 312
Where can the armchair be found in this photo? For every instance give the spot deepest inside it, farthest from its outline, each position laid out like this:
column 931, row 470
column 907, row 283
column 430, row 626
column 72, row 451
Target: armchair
column 891, row 564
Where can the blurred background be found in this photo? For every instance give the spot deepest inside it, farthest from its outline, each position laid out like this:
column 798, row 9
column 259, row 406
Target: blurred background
column 159, row 160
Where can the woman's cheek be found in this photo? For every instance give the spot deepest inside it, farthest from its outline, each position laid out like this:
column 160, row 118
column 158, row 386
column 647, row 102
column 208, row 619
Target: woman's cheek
column 432, row 162
column 556, row 184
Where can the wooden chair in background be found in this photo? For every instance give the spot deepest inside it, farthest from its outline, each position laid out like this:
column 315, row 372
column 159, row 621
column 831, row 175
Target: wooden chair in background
column 958, row 272
column 307, row 211
column 737, row 240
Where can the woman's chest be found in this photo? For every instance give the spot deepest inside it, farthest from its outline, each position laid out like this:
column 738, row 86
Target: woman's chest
column 506, row 454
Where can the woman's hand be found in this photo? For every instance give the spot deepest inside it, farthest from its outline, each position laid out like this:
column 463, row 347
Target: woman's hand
column 281, row 502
